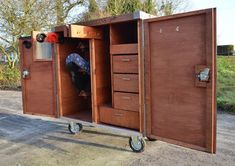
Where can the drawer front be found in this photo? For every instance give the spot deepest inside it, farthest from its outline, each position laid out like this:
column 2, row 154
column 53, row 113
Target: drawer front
column 126, row 82
column 126, row 101
column 125, row 64
column 128, row 119
column 124, row 49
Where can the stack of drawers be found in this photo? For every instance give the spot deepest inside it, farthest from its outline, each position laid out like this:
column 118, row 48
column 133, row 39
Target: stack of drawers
column 125, row 82
column 125, row 111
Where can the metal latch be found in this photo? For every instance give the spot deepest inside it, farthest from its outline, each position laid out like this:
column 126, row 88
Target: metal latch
column 25, row 73
column 204, row 75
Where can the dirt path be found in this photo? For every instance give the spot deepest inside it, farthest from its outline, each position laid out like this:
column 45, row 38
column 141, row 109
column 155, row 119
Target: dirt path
column 30, row 140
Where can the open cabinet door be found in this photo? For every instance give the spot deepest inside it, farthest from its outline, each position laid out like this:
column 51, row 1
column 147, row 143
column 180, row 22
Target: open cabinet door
column 37, row 77
column 180, row 79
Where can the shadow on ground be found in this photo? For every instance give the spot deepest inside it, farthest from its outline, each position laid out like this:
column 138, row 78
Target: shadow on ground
column 16, row 129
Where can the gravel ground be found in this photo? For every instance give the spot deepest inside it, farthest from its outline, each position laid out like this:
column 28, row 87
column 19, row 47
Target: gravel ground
column 27, row 140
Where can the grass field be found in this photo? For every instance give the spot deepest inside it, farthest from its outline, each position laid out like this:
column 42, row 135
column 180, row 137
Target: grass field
column 226, row 83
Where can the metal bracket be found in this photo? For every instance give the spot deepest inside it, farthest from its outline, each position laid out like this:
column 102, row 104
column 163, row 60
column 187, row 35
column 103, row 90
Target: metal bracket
column 25, row 73
column 204, row 75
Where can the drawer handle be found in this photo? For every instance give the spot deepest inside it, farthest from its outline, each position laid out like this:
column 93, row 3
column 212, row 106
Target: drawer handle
column 118, row 114
column 126, row 60
column 126, row 79
column 126, row 98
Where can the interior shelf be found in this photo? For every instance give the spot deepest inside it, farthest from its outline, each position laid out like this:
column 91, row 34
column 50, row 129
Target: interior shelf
column 124, row 33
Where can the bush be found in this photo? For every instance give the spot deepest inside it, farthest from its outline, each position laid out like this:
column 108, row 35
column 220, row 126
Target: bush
column 9, row 78
column 225, row 50
column 226, row 83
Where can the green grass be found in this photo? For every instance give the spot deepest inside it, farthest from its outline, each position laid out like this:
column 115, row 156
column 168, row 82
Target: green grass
column 226, row 83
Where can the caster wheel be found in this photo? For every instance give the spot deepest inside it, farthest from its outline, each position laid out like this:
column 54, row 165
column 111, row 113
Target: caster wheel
column 75, row 128
column 137, row 144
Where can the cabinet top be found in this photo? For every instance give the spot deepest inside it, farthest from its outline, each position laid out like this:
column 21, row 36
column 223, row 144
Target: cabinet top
column 138, row 15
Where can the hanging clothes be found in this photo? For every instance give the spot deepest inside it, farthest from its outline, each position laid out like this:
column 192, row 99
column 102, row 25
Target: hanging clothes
column 80, row 72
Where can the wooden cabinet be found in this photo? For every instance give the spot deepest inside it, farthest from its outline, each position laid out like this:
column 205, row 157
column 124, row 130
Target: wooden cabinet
column 144, row 76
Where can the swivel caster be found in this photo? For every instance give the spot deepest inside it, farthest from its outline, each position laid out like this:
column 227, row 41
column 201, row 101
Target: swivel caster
column 137, row 144
column 75, row 128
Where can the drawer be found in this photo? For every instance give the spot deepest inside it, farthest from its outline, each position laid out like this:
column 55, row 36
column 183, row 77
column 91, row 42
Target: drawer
column 126, row 82
column 128, row 119
column 126, row 101
column 125, row 64
column 124, row 48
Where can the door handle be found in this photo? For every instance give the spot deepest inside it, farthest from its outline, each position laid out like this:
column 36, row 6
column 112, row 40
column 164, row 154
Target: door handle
column 119, row 114
column 126, row 60
column 126, row 98
column 126, row 79
column 25, row 73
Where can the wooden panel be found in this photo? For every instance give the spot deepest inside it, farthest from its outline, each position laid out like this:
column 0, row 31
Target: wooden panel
column 125, row 64
column 38, row 87
column 79, row 31
column 124, row 49
column 141, row 60
column 138, row 15
column 101, row 75
column 128, row 119
column 109, row 20
column 178, row 111
column 126, row 101
column 62, row 28
column 125, row 82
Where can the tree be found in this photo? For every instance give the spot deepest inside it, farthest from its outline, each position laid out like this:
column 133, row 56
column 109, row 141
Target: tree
column 169, row 7
column 149, row 6
column 94, row 11
column 20, row 18
column 114, row 7
column 63, row 8
column 102, row 8
column 131, row 6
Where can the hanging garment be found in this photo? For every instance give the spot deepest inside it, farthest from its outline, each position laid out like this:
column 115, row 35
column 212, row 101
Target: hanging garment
column 79, row 61
column 80, row 72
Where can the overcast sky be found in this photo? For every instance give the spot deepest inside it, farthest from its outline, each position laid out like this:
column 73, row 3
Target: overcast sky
column 225, row 18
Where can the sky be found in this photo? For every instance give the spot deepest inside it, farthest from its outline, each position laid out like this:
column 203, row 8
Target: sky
column 225, row 18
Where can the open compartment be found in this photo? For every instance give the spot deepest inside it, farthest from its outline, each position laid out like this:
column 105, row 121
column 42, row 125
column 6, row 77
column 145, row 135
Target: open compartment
column 124, row 33
column 72, row 104
column 124, row 38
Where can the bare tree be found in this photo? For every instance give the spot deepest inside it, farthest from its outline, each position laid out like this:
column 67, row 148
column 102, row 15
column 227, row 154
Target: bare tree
column 62, row 9
column 20, row 18
column 169, row 7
